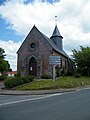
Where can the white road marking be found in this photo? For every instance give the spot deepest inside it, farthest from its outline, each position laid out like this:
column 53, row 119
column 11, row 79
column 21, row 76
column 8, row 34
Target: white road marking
column 31, row 99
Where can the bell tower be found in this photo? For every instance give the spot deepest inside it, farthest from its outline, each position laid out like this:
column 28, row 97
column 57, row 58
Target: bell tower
column 56, row 37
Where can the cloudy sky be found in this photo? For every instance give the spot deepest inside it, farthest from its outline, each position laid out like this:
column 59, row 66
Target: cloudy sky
column 17, row 17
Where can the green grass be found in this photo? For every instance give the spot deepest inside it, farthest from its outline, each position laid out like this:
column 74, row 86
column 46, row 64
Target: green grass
column 62, row 82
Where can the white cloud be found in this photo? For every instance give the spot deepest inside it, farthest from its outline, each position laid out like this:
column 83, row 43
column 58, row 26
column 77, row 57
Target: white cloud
column 10, row 48
column 73, row 19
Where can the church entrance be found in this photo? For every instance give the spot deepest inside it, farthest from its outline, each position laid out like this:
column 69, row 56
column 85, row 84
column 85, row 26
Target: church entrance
column 33, row 67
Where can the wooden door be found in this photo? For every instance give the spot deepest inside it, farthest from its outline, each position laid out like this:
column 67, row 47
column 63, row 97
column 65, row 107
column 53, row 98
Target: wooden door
column 33, row 66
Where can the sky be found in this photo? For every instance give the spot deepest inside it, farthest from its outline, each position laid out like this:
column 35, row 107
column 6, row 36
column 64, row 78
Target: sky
column 17, row 17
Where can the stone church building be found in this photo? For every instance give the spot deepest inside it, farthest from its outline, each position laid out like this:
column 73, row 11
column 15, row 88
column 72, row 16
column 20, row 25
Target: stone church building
column 35, row 51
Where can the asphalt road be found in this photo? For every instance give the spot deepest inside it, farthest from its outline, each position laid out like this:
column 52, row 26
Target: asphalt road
column 67, row 106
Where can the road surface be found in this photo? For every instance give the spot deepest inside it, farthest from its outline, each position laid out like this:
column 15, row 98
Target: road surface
column 67, row 106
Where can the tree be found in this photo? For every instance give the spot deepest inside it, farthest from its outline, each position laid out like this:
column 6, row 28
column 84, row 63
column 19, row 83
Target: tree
column 4, row 65
column 2, row 55
column 82, row 60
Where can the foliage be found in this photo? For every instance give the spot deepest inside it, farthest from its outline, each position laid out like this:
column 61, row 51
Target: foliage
column 82, row 59
column 11, row 82
column 77, row 75
column 69, row 73
column 46, row 76
column 4, row 65
column 62, row 82
column 2, row 77
column 2, row 55
column 31, row 78
column 18, row 75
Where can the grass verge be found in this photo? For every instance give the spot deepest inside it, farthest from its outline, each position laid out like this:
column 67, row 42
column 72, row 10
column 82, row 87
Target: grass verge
column 62, row 82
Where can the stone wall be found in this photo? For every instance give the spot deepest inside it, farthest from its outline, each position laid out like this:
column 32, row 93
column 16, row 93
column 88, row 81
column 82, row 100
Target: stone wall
column 40, row 53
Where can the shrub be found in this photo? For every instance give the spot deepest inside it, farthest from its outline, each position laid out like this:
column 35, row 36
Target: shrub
column 2, row 77
column 77, row 75
column 46, row 76
column 19, row 81
column 31, row 77
column 15, row 81
column 10, row 82
column 26, row 79
column 69, row 73
column 18, row 75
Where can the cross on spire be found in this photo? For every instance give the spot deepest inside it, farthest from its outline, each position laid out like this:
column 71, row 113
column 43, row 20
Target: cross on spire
column 56, row 20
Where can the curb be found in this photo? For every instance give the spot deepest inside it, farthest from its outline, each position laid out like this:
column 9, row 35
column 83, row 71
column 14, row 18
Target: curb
column 34, row 92
column 40, row 92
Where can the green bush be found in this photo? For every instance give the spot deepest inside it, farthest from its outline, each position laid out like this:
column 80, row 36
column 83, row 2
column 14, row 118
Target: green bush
column 77, row 75
column 31, row 77
column 11, row 82
column 69, row 73
column 17, row 75
column 2, row 78
column 27, row 79
column 46, row 76
column 19, row 81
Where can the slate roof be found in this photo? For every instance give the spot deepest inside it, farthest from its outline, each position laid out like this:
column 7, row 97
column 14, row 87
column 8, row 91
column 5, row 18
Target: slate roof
column 56, row 32
column 52, row 44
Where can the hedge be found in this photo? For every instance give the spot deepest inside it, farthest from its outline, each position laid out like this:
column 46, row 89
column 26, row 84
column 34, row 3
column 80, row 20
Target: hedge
column 77, row 75
column 46, row 76
column 11, row 82
column 2, row 78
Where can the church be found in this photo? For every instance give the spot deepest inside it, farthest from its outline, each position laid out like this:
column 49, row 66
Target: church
column 35, row 52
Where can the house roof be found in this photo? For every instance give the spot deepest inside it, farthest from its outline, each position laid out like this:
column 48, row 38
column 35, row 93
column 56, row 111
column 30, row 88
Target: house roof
column 12, row 72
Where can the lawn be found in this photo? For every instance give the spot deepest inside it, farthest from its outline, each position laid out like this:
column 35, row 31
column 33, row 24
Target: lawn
column 62, row 82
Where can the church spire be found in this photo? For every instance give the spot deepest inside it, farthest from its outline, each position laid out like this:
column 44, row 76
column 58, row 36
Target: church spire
column 57, row 38
column 56, row 32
